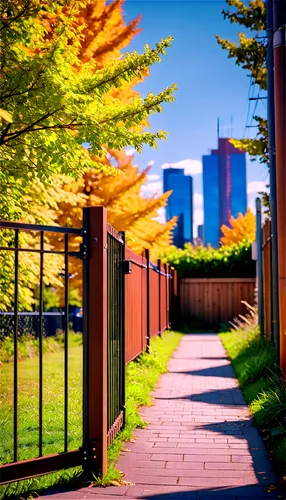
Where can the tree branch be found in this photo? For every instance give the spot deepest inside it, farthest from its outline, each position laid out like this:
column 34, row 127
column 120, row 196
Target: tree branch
column 29, row 128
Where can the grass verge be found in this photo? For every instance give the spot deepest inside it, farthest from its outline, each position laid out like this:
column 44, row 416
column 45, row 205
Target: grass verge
column 253, row 361
column 141, row 378
column 28, row 345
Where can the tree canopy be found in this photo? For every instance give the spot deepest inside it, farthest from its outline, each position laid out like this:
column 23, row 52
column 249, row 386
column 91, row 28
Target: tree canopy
column 56, row 96
column 250, row 52
column 65, row 84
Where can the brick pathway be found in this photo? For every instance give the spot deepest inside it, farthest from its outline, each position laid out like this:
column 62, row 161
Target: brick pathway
column 201, row 443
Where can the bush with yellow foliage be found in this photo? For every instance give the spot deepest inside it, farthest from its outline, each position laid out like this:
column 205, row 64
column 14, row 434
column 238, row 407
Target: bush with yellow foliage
column 241, row 229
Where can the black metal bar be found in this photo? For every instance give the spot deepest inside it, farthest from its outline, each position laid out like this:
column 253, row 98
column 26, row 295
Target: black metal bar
column 16, row 297
column 2, row 313
column 41, row 345
column 37, row 227
column 167, row 294
column 36, row 250
column 257, row 98
column 117, row 236
column 122, row 309
column 136, row 264
column 159, row 298
column 148, row 301
column 66, row 388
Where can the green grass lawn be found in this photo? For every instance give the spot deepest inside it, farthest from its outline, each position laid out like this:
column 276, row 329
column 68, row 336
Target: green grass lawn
column 253, row 360
column 53, row 405
column 141, row 377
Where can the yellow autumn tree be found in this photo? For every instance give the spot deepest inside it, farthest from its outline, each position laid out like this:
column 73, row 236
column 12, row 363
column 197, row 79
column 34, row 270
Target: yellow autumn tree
column 127, row 208
column 241, row 229
column 103, row 32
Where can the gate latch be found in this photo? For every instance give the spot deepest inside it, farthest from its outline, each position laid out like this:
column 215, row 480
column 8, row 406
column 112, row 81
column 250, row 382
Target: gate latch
column 126, row 266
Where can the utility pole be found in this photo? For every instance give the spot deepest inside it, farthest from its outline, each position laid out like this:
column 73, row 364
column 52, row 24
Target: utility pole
column 279, row 51
column 259, row 266
column 272, row 170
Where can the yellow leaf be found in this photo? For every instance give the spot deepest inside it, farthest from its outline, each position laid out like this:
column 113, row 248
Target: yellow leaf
column 6, row 115
column 115, row 483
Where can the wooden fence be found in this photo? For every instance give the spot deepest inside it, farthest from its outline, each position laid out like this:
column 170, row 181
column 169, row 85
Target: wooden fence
column 148, row 292
column 210, row 302
column 267, row 326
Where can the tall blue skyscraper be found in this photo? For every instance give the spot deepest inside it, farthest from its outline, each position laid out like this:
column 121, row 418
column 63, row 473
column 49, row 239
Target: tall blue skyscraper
column 224, row 188
column 180, row 203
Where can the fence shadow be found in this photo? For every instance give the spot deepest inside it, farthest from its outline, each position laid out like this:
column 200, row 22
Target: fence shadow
column 224, row 371
column 251, row 492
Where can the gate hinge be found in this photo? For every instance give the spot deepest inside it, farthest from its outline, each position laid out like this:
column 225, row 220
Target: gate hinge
column 83, row 451
column 83, row 251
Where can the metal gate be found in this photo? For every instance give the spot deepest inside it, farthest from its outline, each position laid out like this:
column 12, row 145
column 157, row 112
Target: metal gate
column 102, row 252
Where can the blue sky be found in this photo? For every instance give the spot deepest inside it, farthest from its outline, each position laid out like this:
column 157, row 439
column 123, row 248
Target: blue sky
column 209, row 85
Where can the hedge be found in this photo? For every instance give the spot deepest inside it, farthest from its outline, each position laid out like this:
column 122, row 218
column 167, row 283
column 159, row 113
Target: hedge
column 206, row 262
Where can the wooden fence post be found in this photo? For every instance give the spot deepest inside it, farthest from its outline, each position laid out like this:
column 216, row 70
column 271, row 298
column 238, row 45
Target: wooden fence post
column 147, row 256
column 159, row 294
column 95, row 340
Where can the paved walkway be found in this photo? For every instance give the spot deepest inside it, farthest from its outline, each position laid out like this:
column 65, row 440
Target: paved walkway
column 201, row 443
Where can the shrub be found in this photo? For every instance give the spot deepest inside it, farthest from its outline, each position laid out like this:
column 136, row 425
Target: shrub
column 206, row 262
column 269, row 406
column 260, row 362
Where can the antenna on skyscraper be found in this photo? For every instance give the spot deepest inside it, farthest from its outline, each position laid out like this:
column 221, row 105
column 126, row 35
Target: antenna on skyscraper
column 217, row 128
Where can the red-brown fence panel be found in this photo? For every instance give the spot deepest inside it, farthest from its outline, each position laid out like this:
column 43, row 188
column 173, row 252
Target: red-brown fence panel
column 174, row 299
column 163, row 304
column 135, row 306
column 154, row 300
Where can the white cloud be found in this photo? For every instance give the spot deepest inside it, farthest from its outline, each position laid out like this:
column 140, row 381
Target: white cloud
column 161, row 215
column 191, row 167
column 150, row 163
column 198, row 219
column 198, row 200
column 153, row 177
column 130, row 151
column 255, row 187
column 151, row 188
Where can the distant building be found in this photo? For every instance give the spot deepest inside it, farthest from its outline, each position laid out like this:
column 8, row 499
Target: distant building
column 224, row 188
column 180, row 203
column 200, row 233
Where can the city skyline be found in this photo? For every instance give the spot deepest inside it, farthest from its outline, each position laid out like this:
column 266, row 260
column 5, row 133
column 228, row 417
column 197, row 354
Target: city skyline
column 207, row 81
column 180, row 203
column 224, row 188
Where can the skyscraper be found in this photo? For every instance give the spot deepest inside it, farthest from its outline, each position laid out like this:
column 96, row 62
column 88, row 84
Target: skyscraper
column 224, row 188
column 180, row 203
column 201, row 233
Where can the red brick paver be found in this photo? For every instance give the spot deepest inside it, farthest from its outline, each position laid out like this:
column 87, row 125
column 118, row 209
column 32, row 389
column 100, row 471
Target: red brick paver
column 201, row 443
